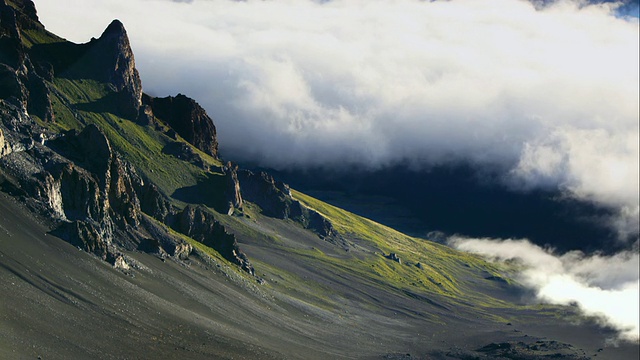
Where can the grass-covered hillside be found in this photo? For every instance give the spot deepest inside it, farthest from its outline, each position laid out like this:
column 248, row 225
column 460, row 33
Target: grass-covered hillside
column 188, row 256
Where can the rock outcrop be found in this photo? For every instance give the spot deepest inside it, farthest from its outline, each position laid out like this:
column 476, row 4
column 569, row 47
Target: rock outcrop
column 316, row 222
column 184, row 152
column 155, row 204
column 96, row 199
column 120, row 67
column 145, row 115
column 39, row 101
column 188, row 119
column 26, row 16
column 4, row 146
column 203, row 227
column 11, row 50
column 275, row 200
column 19, row 78
column 109, row 59
column 91, row 195
column 394, row 257
column 232, row 188
column 273, row 197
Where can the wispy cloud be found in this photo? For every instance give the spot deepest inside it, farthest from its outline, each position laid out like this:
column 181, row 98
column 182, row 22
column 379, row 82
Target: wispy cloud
column 605, row 287
column 546, row 96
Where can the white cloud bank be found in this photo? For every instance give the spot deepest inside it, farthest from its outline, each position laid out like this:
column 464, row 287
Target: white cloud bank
column 546, row 97
column 603, row 286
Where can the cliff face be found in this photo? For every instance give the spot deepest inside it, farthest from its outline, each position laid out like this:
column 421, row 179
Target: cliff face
column 93, row 196
column 275, row 200
column 20, row 81
column 110, row 60
column 188, row 119
column 232, row 188
column 4, row 147
column 202, row 226
column 273, row 197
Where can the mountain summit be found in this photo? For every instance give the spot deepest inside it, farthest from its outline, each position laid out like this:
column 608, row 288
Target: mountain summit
column 112, row 60
column 123, row 234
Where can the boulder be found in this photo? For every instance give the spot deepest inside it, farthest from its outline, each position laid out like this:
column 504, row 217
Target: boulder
column 394, row 257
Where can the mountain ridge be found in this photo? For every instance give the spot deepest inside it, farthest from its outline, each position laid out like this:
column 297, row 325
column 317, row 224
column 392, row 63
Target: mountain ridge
column 188, row 256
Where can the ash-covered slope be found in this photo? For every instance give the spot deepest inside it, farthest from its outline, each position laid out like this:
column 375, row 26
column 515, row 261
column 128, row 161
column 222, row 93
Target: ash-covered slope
column 186, row 256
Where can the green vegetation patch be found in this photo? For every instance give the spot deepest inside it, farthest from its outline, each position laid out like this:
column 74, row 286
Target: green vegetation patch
column 74, row 107
column 424, row 266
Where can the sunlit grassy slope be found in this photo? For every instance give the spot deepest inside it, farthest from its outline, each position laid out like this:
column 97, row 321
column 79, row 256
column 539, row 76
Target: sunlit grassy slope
column 426, row 268
column 78, row 103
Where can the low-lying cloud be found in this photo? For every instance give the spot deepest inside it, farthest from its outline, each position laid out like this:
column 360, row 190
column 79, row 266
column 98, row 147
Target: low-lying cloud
column 605, row 287
column 544, row 95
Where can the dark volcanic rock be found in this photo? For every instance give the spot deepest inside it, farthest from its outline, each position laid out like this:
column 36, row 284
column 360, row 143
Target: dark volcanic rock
column 11, row 49
column 95, row 149
column 79, row 194
column 108, row 59
column 112, row 61
column 39, row 101
column 262, row 189
column 162, row 242
column 4, row 146
column 121, row 70
column 154, row 203
column 188, row 119
column 274, row 198
column 93, row 197
column 394, row 257
column 19, row 79
column 123, row 199
column 541, row 349
column 203, row 227
column 26, row 16
column 145, row 115
column 10, row 84
column 87, row 236
column 232, row 188
column 316, row 222
column 183, row 151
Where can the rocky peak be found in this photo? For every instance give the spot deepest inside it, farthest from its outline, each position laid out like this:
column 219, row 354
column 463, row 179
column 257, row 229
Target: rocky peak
column 110, row 59
column 116, row 29
column 27, row 17
column 188, row 119
column 120, row 67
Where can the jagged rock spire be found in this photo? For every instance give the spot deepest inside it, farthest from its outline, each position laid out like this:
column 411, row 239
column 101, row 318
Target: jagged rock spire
column 109, row 59
column 113, row 51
